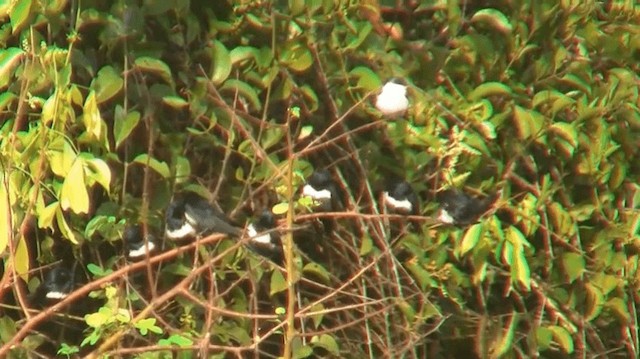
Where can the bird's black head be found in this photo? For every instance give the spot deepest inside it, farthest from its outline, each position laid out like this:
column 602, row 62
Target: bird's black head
column 320, row 179
column 266, row 220
column 401, row 190
column 132, row 234
column 398, row 81
column 58, row 283
column 401, row 198
column 459, row 207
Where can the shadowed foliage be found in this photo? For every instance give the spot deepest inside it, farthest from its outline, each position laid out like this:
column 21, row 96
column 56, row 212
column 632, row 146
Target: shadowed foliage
column 110, row 109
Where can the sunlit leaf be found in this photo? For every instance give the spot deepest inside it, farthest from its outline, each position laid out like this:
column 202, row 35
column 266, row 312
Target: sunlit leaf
column 20, row 14
column 6, row 226
column 156, row 67
column 74, row 194
column 327, row 342
column 296, row 57
column 10, row 58
column 574, row 265
column 21, row 259
column 471, row 238
column 563, row 338
column 489, row 89
column 91, row 116
column 493, row 18
column 176, row 102
column 278, row 283
column 124, row 124
column 107, row 84
column 100, row 172
column 221, row 63
column 160, row 167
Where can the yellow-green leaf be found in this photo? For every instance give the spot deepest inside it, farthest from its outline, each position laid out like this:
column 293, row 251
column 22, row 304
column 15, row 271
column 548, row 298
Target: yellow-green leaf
column 489, row 89
column 6, row 226
column 176, row 102
column 574, row 265
column 493, row 18
column 221, row 63
column 471, row 238
column 107, row 84
column 91, row 116
column 326, row 342
column 155, row 66
column 124, row 123
column 280, row 208
column 47, row 215
column 74, row 194
column 100, row 172
column 22, row 259
column 278, row 283
column 19, row 14
column 563, row 338
column 9, row 59
column 161, row 167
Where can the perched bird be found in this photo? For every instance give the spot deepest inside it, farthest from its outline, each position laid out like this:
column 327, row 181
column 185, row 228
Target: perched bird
column 264, row 239
column 58, row 283
column 392, row 100
column 190, row 215
column 400, row 198
column 458, row 208
column 322, row 189
column 136, row 247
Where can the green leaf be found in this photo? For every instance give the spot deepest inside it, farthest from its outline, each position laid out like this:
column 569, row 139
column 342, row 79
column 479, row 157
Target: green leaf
column 178, row 340
column 64, row 226
column 107, row 84
column 366, row 246
column 9, row 60
column 566, row 131
column 367, row 79
column 6, row 98
column 47, row 214
column 280, row 208
column 99, row 172
column 489, row 89
column 98, row 319
column 594, row 302
column 471, row 238
column 156, row 67
column 505, row 343
column 160, row 167
column 74, row 194
column 5, row 215
column 91, row 116
column 296, row 57
column 175, row 102
column 278, row 283
column 528, row 122
column 242, row 53
column 221, row 63
column 563, row 338
column 493, row 18
column 544, row 336
column 318, row 271
column 21, row 259
column 574, row 265
column 618, row 306
column 326, row 342
column 147, row 325
column 124, row 124
column 236, row 87
column 19, row 14
column 521, row 268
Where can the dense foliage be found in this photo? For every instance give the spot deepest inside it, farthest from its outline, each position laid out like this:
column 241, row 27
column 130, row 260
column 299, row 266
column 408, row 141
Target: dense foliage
column 110, row 107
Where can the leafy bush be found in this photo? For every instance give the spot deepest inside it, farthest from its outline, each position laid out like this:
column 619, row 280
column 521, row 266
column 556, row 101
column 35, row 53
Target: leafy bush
column 108, row 109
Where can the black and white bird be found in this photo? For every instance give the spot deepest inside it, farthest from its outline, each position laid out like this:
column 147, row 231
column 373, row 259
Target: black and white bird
column 190, row 215
column 400, row 198
column 136, row 245
column 322, row 189
column 392, row 100
column 264, row 238
column 459, row 208
column 58, row 283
